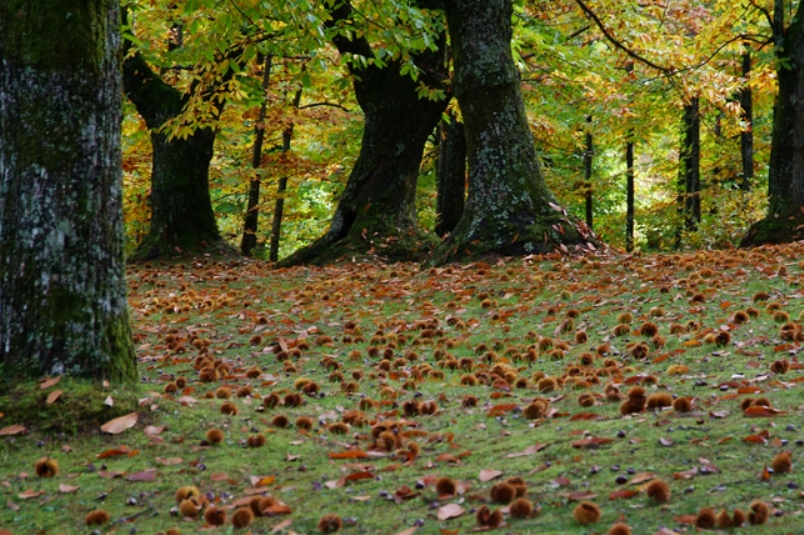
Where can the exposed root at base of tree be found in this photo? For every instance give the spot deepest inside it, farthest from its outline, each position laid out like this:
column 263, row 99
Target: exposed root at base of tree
column 773, row 231
column 152, row 249
column 410, row 246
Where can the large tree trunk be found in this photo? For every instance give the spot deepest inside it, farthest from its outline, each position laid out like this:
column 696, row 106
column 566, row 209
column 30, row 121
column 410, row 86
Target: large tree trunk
column 377, row 210
column 62, row 290
column 509, row 209
column 450, row 175
column 784, row 221
column 182, row 219
column 690, row 160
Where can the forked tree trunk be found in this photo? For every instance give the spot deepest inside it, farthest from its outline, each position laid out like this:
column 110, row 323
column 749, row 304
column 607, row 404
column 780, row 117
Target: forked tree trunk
column 784, row 221
column 62, row 292
column 182, row 219
column 377, row 210
column 509, row 209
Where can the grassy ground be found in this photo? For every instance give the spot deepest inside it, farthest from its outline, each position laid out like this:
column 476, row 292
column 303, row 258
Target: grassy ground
column 380, row 347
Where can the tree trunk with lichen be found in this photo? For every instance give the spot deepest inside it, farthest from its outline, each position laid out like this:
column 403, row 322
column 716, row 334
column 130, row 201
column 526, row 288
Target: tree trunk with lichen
column 62, row 291
column 182, row 219
column 509, row 209
column 784, row 221
column 377, row 210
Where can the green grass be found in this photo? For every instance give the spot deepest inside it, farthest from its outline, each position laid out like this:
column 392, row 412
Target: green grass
column 242, row 314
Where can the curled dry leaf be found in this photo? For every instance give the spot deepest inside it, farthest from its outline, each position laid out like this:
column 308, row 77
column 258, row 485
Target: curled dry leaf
column 118, row 425
column 487, row 475
column 66, row 489
column 451, row 510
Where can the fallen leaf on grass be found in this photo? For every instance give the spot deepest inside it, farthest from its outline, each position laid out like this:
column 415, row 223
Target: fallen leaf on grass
column 50, row 382
column 154, row 430
column 409, row 531
column 277, row 509
column 623, row 493
column 350, row 454
column 451, row 510
column 118, row 425
column 591, row 442
column 144, row 475
column 487, row 475
column 172, row 461
column 114, row 452
column 257, row 481
column 12, row 430
column 109, row 402
column 13, row 506
column 30, row 493
column 53, row 397
column 530, row 450
column 642, row 478
column 66, row 489
column 579, row 495
column 759, row 411
column 282, row 525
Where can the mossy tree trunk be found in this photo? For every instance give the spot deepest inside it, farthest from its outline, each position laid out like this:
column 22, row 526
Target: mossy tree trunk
column 509, row 209
column 377, row 210
column 62, row 290
column 450, row 175
column 784, row 221
column 182, row 219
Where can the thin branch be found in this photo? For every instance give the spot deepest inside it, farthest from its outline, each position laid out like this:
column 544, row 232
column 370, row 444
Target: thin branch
column 617, row 43
column 333, row 104
column 578, row 32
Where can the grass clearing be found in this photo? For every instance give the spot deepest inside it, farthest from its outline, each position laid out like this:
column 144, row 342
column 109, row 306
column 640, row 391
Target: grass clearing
column 369, row 351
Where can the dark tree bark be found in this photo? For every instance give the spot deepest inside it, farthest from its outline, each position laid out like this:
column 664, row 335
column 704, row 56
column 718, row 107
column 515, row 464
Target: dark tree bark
column 784, row 221
column 182, row 219
column 630, row 212
column 450, row 175
column 747, row 136
column 249, row 240
column 690, row 164
column 378, row 206
column 62, row 291
column 588, row 155
column 509, row 209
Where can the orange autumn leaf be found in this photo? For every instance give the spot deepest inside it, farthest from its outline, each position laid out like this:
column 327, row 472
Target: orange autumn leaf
column 115, row 452
column 357, row 476
column 12, row 430
column 499, row 410
column 759, row 411
column 53, row 397
column 349, row 454
column 623, row 493
column 277, row 509
column 451, row 510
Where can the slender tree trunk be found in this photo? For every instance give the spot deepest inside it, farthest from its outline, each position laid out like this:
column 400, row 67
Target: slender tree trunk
column 629, row 194
column 378, row 205
column 182, row 219
column 588, row 155
column 747, row 135
column 249, row 240
column 509, row 209
column 450, row 175
column 62, row 290
column 691, row 164
column 784, row 221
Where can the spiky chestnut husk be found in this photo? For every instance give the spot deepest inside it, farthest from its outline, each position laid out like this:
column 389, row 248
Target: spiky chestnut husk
column 242, row 517
column 98, row 517
column 445, row 486
column 329, row 523
column 46, row 467
column 520, row 508
column 619, row 528
column 658, row 491
column 186, row 492
column 706, row 518
column 586, row 513
column 758, row 513
column 214, row 516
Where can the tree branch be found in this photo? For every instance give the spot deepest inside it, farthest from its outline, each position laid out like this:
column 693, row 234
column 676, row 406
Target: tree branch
column 617, row 43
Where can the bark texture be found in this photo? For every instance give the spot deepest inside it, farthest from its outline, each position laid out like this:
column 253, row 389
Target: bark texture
column 182, row 219
column 450, row 175
column 62, row 290
column 509, row 209
column 784, row 221
column 377, row 210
